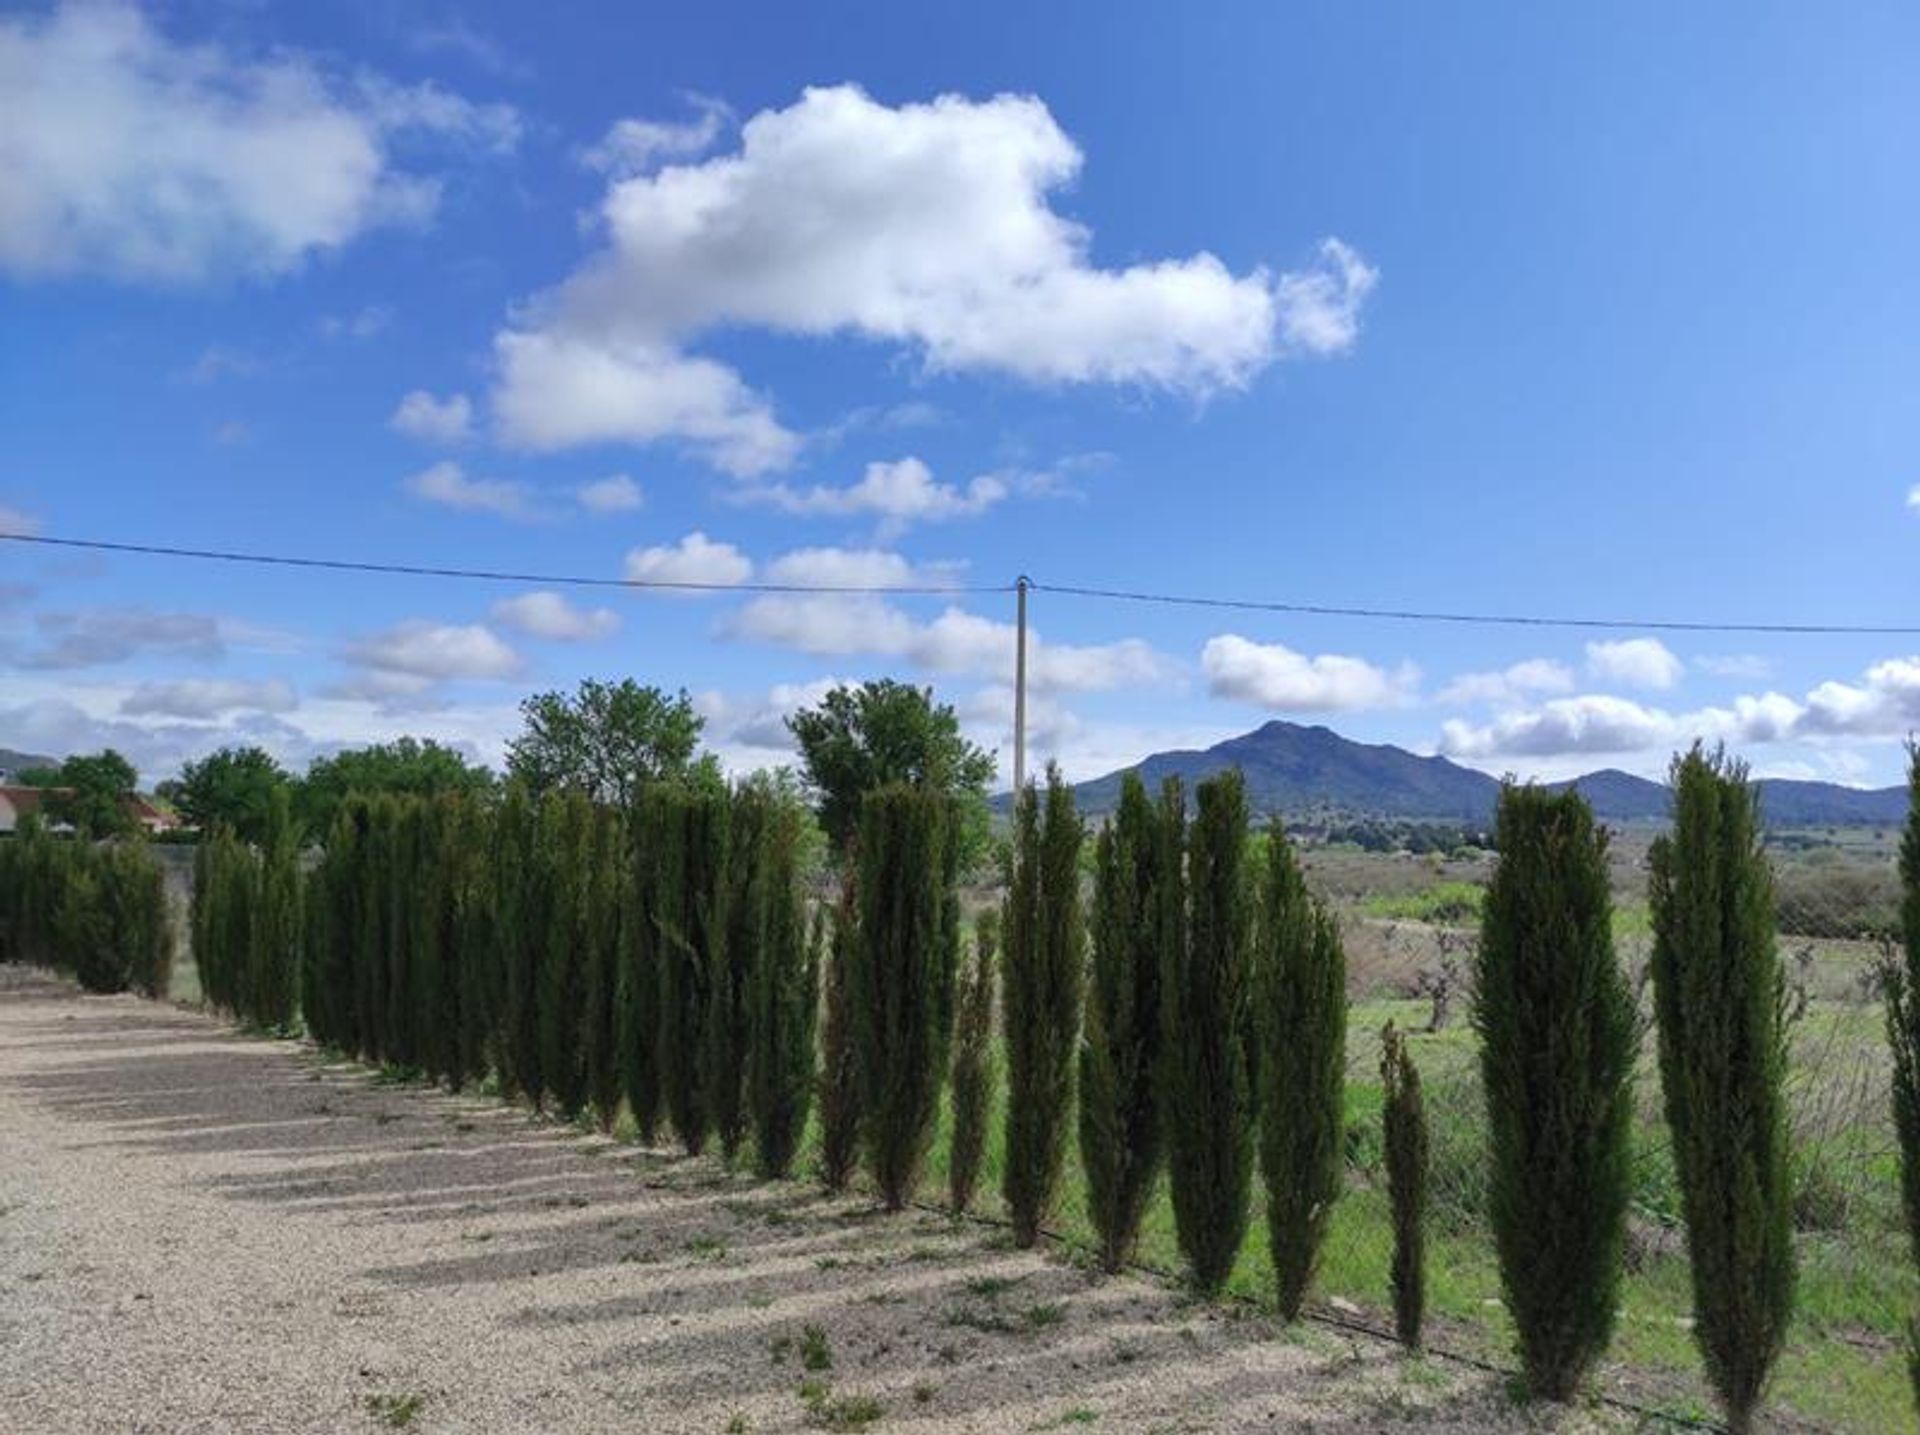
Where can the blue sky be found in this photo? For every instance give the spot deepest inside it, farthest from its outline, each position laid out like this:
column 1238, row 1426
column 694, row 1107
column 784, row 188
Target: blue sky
column 1611, row 314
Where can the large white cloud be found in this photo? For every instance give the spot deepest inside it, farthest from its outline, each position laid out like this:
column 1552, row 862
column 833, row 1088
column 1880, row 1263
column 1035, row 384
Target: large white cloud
column 413, row 657
column 1636, row 662
column 1511, row 684
column 695, row 559
column 955, row 642
column 923, row 225
column 1274, row 676
column 96, row 636
column 208, row 698
column 129, row 154
column 544, row 614
column 898, row 494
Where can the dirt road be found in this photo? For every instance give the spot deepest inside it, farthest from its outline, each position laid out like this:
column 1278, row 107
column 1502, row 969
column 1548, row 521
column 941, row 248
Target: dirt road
column 202, row 1231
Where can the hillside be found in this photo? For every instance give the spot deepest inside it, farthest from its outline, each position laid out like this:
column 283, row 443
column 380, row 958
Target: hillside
column 12, row 761
column 1291, row 768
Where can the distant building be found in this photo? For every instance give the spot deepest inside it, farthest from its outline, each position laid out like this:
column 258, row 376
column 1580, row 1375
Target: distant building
column 16, row 802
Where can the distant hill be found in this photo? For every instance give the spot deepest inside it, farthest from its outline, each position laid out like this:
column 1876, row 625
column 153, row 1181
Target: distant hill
column 1293, row 769
column 12, row 762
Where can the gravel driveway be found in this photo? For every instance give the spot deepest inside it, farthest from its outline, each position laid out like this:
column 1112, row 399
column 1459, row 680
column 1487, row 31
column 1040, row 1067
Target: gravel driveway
column 202, row 1231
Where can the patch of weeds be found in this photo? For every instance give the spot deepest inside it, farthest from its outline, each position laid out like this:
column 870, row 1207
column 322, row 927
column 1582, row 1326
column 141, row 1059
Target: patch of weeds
column 739, row 1425
column 1126, row 1352
column 992, row 1287
column 384, row 1118
column 923, row 1393
column 707, row 1248
column 477, row 1237
column 814, row 1394
column 848, row 1412
column 759, row 1300
column 396, row 1412
column 639, row 1258
column 816, row 1351
column 571, row 1199
column 826, row 1263
column 780, row 1347
column 990, row 1322
column 1043, row 1316
column 1079, row 1415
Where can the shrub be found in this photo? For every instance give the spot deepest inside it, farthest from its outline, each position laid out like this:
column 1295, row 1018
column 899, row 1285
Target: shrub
column 1557, row 1029
column 1301, row 996
column 1719, row 992
column 1207, row 1091
column 1041, row 976
column 1901, row 983
column 1120, row 1051
column 1404, row 1120
column 972, row 1064
column 839, row 1058
column 784, row 995
column 899, row 991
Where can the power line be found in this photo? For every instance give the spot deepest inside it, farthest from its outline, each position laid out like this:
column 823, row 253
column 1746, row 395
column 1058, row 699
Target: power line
column 1405, row 615
column 491, row 575
column 1124, row 595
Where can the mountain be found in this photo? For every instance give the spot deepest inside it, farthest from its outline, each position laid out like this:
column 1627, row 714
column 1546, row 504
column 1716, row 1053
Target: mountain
column 15, row 762
column 1290, row 768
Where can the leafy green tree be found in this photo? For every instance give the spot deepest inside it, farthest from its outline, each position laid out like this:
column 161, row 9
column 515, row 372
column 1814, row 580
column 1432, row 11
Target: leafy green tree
column 857, row 740
column 1557, row 1045
column 1404, row 1119
column 1041, row 976
column 972, row 1063
column 1719, row 998
column 406, row 767
column 840, row 1089
column 901, row 979
column 1207, row 1086
column 609, row 740
column 94, row 794
column 1120, row 1053
column 273, row 957
column 235, row 785
column 783, row 997
column 1301, row 990
column 1901, row 982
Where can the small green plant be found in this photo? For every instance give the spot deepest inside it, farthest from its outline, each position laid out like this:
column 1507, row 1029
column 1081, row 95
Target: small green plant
column 1404, row 1117
column 816, row 1351
column 396, row 1412
column 1043, row 1315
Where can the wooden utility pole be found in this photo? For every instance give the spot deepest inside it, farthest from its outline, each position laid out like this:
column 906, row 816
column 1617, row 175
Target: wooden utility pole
column 1020, row 689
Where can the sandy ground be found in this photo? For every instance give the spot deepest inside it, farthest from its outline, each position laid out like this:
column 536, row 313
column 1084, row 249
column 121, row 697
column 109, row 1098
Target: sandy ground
column 201, row 1231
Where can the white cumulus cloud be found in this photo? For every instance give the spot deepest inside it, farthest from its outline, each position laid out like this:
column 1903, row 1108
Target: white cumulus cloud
column 548, row 615
column 1510, row 684
column 129, row 154
column 447, row 484
column 1637, row 662
column 634, row 146
column 445, row 421
column 412, row 657
column 898, row 494
column 928, row 226
column 695, row 560
column 208, row 698
column 614, row 494
column 1274, row 676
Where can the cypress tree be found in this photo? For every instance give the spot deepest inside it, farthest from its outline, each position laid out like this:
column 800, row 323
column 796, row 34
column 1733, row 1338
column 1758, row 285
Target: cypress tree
column 1557, row 1033
column 839, row 1058
column 972, row 1064
column 692, row 898
column 316, row 931
column 470, row 950
column 783, row 999
column 1901, row 981
column 199, row 899
column 1404, row 1118
column 520, row 869
column 1041, row 976
column 640, row 944
column 275, row 946
column 898, row 985
column 729, row 998
column 1719, row 998
column 1119, row 1057
column 567, row 823
column 1207, row 1089
column 1302, row 998
column 374, row 908
column 602, row 938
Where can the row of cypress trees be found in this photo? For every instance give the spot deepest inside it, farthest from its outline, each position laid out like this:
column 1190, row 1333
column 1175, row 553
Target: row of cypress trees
column 584, row 957
column 96, row 910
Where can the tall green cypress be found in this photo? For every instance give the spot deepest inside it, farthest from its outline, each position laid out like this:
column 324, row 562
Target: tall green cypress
column 1301, row 992
column 840, row 1113
column 1120, row 1054
column 729, row 996
column 567, row 822
column 601, row 945
column 199, row 899
column 1207, row 1089
column 470, row 977
column 434, row 911
column 692, row 909
column 640, row 947
column 784, row 997
column 1557, row 1035
column 1404, row 1123
column 274, row 950
column 1901, row 979
column 379, row 876
column 520, row 883
column 1041, row 976
column 900, row 980
column 316, row 947
column 1719, row 998
column 972, row 1063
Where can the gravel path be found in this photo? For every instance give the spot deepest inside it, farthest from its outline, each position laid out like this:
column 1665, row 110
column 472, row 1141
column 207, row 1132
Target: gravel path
column 200, row 1231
